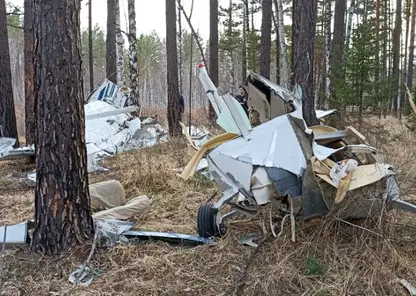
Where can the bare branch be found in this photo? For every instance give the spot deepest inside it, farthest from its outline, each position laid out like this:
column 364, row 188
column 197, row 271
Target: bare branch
column 14, row 26
column 193, row 32
column 15, row 13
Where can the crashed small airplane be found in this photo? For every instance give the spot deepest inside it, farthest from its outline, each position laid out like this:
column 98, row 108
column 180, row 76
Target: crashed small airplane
column 300, row 171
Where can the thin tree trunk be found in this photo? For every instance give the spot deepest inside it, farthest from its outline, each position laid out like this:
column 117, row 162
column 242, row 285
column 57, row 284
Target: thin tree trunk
column 29, row 73
column 337, row 54
column 244, row 51
column 180, row 48
column 284, row 68
column 328, row 40
column 172, row 70
column 348, row 33
column 304, row 29
column 90, row 54
column 404, row 68
column 266, row 38
column 396, row 54
column 120, row 48
column 213, row 49
column 134, row 67
column 276, row 28
column 111, row 46
column 377, row 69
column 62, row 201
column 411, row 47
column 7, row 113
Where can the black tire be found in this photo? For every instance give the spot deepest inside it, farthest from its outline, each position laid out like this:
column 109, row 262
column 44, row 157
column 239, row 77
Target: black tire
column 206, row 222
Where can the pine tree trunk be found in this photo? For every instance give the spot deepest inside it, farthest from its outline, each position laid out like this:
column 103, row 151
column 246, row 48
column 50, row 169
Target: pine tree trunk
column 29, row 73
column 411, row 47
column 337, row 55
column 172, row 70
column 90, row 52
column 213, row 49
column 180, row 48
column 406, row 45
column 396, row 54
column 266, row 38
column 304, row 29
column 284, row 68
column 134, row 67
column 120, row 48
column 62, row 201
column 111, row 45
column 7, row 113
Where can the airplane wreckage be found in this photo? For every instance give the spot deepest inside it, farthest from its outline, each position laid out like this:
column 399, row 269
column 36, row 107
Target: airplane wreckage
column 301, row 172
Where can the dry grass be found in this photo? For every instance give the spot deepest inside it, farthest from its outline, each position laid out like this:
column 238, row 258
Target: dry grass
column 328, row 258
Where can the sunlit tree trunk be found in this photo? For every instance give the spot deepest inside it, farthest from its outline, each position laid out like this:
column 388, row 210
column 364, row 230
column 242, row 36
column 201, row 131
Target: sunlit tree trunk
column 134, row 67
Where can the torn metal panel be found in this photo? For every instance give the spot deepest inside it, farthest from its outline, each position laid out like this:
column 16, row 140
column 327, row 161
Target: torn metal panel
column 6, row 144
column 109, row 92
column 323, row 113
column 176, row 238
column 239, row 172
column 111, row 113
column 15, row 234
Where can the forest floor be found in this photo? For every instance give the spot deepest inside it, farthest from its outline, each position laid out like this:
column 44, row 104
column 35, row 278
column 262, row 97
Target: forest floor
column 328, row 257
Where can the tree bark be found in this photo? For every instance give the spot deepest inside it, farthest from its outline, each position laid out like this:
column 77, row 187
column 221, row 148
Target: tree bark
column 337, row 53
column 62, row 201
column 90, row 52
column 172, row 70
column 213, row 50
column 8, row 126
column 396, row 55
column 266, row 38
column 29, row 73
column 180, row 70
column 411, row 47
column 304, row 29
column 120, row 48
column 111, row 44
column 284, row 69
column 377, row 69
column 134, row 68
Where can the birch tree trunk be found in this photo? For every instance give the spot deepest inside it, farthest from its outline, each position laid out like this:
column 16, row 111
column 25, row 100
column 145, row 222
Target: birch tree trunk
column 120, row 48
column 284, row 69
column 348, row 33
column 328, row 40
column 134, row 67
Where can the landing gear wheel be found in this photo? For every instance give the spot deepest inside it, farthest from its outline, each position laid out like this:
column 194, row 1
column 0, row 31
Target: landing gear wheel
column 207, row 222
